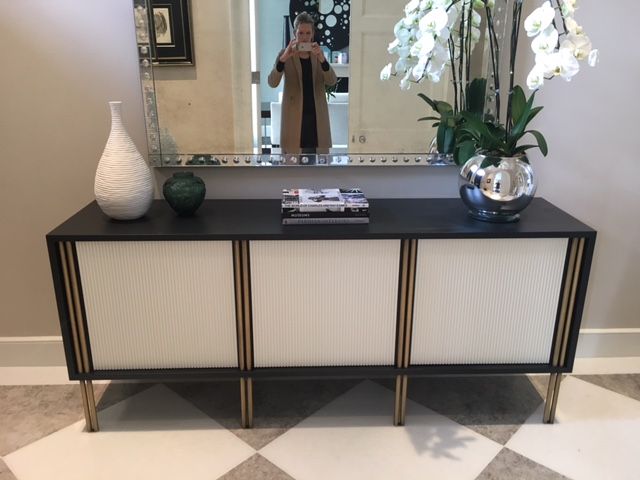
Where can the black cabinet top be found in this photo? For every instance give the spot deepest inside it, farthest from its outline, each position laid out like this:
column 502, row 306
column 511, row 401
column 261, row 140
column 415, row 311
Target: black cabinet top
column 260, row 220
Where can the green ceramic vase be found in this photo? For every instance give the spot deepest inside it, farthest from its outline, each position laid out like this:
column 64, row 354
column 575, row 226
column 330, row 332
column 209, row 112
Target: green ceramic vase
column 184, row 192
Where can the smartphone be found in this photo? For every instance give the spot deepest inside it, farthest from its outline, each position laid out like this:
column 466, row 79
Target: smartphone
column 303, row 47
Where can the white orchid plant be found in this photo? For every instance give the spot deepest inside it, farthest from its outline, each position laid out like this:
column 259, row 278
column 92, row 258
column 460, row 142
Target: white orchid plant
column 434, row 34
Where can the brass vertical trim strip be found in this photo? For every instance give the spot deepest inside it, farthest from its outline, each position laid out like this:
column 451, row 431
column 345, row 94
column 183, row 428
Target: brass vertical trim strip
column 246, row 292
column 71, row 311
column 396, row 410
column 85, row 405
column 566, row 288
column 93, row 413
column 402, row 301
column 403, row 398
column 572, row 300
column 243, row 403
column 86, row 386
column 79, row 334
column 413, row 253
column 549, row 398
column 76, row 302
column 556, row 395
column 249, row 402
column 237, row 274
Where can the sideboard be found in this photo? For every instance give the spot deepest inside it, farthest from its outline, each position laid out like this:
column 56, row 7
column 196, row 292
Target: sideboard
column 230, row 293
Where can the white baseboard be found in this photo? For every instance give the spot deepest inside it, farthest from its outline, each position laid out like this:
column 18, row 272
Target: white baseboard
column 593, row 343
column 608, row 342
column 31, row 352
column 606, row 365
column 35, row 376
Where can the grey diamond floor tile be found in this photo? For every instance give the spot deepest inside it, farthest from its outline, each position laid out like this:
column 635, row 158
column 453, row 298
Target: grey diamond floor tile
column 509, row 465
column 5, row 473
column 624, row 384
column 278, row 405
column 494, row 406
column 256, row 468
column 113, row 393
column 540, row 382
column 28, row 413
column 219, row 400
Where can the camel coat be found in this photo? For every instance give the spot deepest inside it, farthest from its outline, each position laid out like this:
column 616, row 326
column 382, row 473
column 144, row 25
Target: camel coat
column 291, row 119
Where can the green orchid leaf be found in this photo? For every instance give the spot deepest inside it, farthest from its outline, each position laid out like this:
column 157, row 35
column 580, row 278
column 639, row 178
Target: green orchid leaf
column 542, row 143
column 498, row 131
column 443, row 107
column 520, row 125
column 475, row 126
column 518, row 103
column 448, row 141
column 464, row 152
column 533, row 113
column 523, row 148
column 428, row 118
column 440, row 137
column 431, row 103
column 490, row 162
column 475, row 96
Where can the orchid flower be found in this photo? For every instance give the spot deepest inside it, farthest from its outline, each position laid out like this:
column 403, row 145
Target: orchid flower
column 568, row 7
column 546, row 41
column 539, row 19
column 561, row 63
column 578, row 45
column 535, row 79
column 385, row 73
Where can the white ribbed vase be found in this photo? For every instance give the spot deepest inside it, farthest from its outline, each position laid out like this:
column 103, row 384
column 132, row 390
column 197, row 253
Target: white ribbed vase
column 124, row 184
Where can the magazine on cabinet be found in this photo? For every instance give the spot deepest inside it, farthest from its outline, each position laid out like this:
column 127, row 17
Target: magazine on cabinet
column 324, row 200
column 325, row 221
column 312, row 200
column 344, row 214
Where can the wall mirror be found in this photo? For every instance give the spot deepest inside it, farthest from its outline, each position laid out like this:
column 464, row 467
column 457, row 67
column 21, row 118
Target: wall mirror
column 204, row 67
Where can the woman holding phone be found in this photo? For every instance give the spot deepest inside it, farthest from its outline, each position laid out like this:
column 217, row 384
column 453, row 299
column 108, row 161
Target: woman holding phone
column 304, row 123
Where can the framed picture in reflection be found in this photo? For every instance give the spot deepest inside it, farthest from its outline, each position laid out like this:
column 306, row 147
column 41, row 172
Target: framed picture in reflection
column 171, row 37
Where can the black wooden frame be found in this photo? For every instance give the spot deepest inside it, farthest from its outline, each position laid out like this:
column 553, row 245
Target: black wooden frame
column 91, row 225
column 180, row 50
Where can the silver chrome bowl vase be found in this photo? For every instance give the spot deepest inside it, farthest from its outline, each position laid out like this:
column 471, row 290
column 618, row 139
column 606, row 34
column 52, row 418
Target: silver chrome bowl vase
column 496, row 189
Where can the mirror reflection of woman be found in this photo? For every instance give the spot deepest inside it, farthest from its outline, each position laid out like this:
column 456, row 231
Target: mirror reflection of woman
column 304, row 123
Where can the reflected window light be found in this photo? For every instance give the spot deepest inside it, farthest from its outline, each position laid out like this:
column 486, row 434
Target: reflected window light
column 255, row 122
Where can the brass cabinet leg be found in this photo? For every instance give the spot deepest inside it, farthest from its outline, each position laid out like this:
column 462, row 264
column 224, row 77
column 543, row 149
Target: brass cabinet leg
column 89, row 405
column 553, row 391
column 246, row 402
column 401, row 399
column 556, row 395
column 249, row 402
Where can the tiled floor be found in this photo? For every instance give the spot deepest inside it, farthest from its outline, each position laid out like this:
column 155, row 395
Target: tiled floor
column 484, row 428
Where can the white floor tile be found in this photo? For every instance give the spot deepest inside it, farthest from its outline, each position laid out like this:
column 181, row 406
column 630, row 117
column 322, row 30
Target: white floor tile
column 595, row 435
column 155, row 434
column 353, row 438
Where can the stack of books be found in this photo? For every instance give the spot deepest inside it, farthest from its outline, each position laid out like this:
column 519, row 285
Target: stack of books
column 328, row 205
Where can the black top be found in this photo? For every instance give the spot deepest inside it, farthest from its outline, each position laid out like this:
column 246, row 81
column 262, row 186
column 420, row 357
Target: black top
column 308, row 129
column 260, row 220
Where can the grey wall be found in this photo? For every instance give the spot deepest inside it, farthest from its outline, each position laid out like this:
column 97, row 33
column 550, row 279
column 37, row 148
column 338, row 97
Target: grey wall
column 64, row 60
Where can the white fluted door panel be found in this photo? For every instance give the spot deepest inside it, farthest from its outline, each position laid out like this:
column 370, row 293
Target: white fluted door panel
column 324, row 303
column 159, row 304
column 486, row 301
